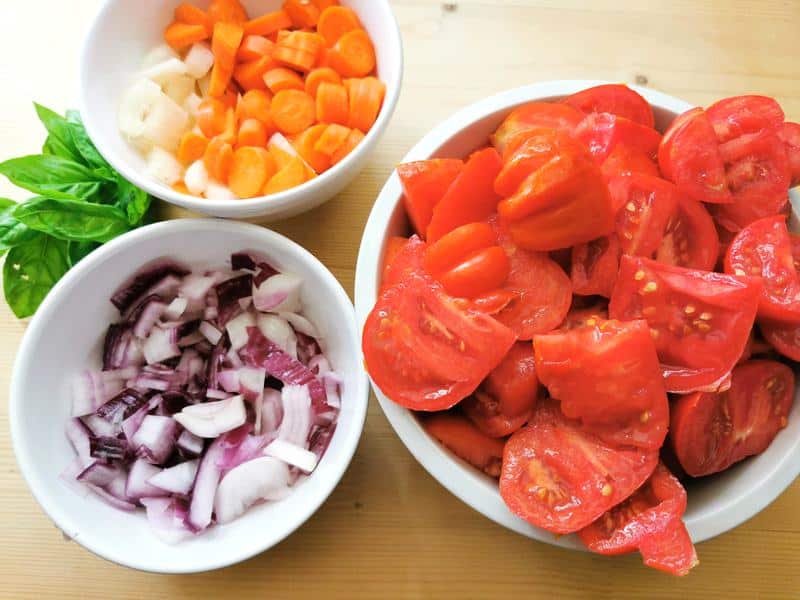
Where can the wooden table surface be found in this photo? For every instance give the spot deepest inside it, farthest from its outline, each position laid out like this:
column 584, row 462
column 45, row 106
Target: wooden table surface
column 390, row 530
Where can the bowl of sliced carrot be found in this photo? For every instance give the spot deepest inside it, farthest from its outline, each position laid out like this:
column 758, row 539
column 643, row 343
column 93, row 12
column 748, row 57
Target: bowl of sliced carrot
column 244, row 108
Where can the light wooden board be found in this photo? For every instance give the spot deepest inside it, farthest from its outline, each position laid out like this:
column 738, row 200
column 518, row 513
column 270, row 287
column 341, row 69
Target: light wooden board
column 389, row 530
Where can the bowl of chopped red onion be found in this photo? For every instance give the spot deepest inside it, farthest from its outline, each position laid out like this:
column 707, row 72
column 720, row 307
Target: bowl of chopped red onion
column 188, row 395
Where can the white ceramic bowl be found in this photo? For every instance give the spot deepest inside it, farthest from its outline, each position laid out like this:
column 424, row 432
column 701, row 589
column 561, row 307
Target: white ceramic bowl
column 66, row 336
column 716, row 504
column 125, row 30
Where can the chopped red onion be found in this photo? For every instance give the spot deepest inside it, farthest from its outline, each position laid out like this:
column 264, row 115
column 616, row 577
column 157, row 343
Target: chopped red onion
column 211, row 333
column 176, row 309
column 136, row 486
column 167, row 518
column 300, row 324
column 254, row 480
column 229, row 380
column 90, row 390
column 144, row 280
column 218, row 394
column 98, row 472
column 131, row 425
column 212, row 419
column 205, row 487
column 237, row 329
column 296, row 422
column 178, row 479
column 278, row 331
column 147, row 315
column 279, row 293
column 190, row 444
column 271, row 410
column 155, row 438
column 79, row 435
column 111, row 499
column 292, row 454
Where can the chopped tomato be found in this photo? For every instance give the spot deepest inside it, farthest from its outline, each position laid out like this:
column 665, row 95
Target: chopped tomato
column 405, row 260
column 493, row 302
column 700, row 321
column 614, row 98
column 583, row 317
column 784, row 337
column 646, row 206
column 690, row 239
column 534, row 115
column 608, row 377
column 689, row 156
column 394, row 245
column 648, row 521
column 464, row 440
column 741, row 115
column 538, row 147
column 602, row 132
column 790, row 134
column 424, row 351
column 425, row 183
column 471, row 197
column 561, row 478
column 594, row 266
column 764, row 249
column 624, row 160
column 710, row 432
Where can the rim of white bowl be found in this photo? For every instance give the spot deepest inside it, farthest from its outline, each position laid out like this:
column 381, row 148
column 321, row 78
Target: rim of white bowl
column 62, row 519
column 457, row 477
column 278, row 203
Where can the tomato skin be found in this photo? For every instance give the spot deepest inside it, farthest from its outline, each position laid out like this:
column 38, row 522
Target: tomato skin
column 557, row 477
column 741, row 115
column 690, row 238
column 538, row 147
column 405, row 260
column 465, row 441
column 624, row 160
column 710, row 432
column 616, row 99
column 594, row 266
column 425, row 183
column 602, row 132
column 785, row 338
column 790, row 134
column 700, row 321
column 534, row 115
column 394, row 245
column 608, row 377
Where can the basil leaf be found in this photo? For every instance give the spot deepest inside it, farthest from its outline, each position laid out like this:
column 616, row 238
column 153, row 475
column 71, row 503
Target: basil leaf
column 133, row 200
column 51, row 175
column 71, row 220
column 12, row 232
column 31, row 270
column 60, row 139
column 77, row 250
column 83, row 143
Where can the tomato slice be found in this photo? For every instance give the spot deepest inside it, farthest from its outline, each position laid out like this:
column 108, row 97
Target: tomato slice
column 538, row 147
column 614, row 98
column 689, row 156
column 608, row 377
column 425, row 183
column 602, row 132
column 561, row 478
column 740, row 115
column 646, row 206
column 542, row 291
column 471, row 197
column 624, row 160
column 710, row 432
column 594, row 266
column 700, row 321
column 535, row 115
column 790, row 134
column 764, row 249
column 583, row 317
column 405, row 260
column 784, row 337
column 458, row 434
column 690, row 238
column 394, row 245
column 506, row 398
column 424, row 351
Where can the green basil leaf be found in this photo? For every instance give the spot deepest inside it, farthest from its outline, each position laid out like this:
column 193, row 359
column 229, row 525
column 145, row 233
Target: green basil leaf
column 51, row 175
column 78, row 250
column 82, row 141
column 31, row 270
column 12, row 232
column 60, row 139
column 133, row 200
column 71, row 220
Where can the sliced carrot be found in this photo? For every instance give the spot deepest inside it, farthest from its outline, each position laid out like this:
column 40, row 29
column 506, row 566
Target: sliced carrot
column 303, row 40
column 250, row 75
column 335, row 21
column 181, row 188
column 323, row 4
column 305, row 143
column 281, row 79
column 225, row 43
column 252, row 132
column 268, row 24
column 294, row 59
column 229, row 133
column 255, row 105
column 303, row 13
column 227, row 11
column 353, row 55
column 210, row 117
column 317, row 76
column 366, row 96
column 254, row 47
column 331, row 104
column 192, row 15
column 220, row 78
column 281, row 35
column 231, row 96
column 217, row 159
column 181, row 35
column 353, row 140
column 291, row 175
column 332, row 139
column 251, row 168
column 192, row 147
column 292, row 111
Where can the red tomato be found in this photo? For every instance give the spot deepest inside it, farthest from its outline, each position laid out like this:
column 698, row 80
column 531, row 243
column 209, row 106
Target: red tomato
column 646, row 207
column 602, row 132
column 538, row 147
column 700, row 321
column 583, row 317
column 426, row 353
column 764, row 249
column 506, row 399
column 407, row 259
column 784, row 337
column 535, row 115
column 690, row 239
column 594, row 266
column 608, row 377
column 689, row 157
column 648, row 521
column 710, row 432
column 425, row 183
column 470, row 198
column 624, row 160
column 561, row 478
column 493, row 302
column 740, row 115
column 790, row 134
column 394, row 245
column 616, row 99
column 466, row 441
column 542, row 291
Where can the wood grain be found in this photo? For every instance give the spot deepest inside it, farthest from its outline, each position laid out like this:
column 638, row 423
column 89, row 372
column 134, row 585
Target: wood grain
column 389, row 530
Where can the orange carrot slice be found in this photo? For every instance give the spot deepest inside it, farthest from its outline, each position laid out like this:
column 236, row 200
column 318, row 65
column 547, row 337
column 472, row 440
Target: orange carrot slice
column 254, row 47
column 255, row 105
column 225, row 43
column 317, row 76
column 305, row 144
column 303, row 13
column 353, row 55
column 210, row 117
column 227, row 11
column 332, row 139
column 298, row 60
column 282, row 79
column 181, row 35
column 292, row 111
column 331, row 104
column 251, row 168
column 192, row 15
column 192, row 147
column 335, row 21
column 229, row 133
column 218, row 158
column 252, row 132
column 292, row 175
column 220, row 78
column 323, row 4
column 250, row 75
column 268, row 24
column 353, row 140
column 366, row 96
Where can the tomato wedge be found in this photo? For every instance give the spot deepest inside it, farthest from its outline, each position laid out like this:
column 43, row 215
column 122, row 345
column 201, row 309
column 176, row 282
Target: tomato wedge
column 648, row 521
column 646, row 206
column 582, row 317
column 457, row 433
column 561, row 478
column 764, row 249
column 740, row 115
column 614, row 98
column 624, row 160
column 594, row 266
column 784, row 337
column 538, row 147
column 425, row 183
column 700, row 321
column 423, row 351
column 690, row 238
column 394, row 245
column 506, row 398
column 535, row 115
column 608, row 377
column 689, row 156
column 405, row 260
column 602, row 132
column 790, row 134
column 710, row 432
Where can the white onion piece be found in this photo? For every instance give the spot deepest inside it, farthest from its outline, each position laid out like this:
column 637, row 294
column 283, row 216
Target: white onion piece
column 192, row 103
column 219, row 191
column 279, row 332
column 163, row 165
column 237, row 329
column 175, row 309
column 199, row 60
column 261, row 478
column 165, row 71
column 296, row 422
column 157, row 55
column 271, row 410
column 136, row 486
column 300, row 324
column 196, row 178
column 177, row 479
column 160, row 345
column 279, row 293
column 179, row 89
column 136, row 103
column 212, row 419
column 292, row 454
column 165, row 123
column 203, row 84
column 211, row 333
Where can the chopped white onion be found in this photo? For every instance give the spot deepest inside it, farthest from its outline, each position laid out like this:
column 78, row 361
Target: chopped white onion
column 199, row 60
column 212, row 419
column 196, row 178
column 219, row 191
column 192, row 103
column 179, row 89
column 164, row 72
column 292, row 454
column 157, row 55
column 137, row 102
column 163, row 165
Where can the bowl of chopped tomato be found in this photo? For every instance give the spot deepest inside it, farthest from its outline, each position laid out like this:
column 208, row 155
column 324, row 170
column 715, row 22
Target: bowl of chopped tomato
column 241, row 109
column 579, row 306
